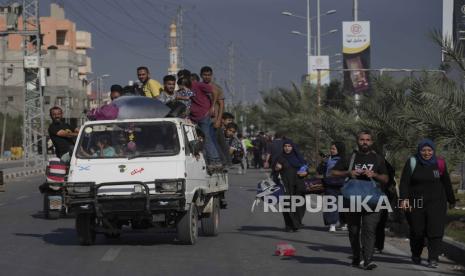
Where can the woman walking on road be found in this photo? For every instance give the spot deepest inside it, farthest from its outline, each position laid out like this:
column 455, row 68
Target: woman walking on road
column 332, row 184
column 291, row 167
column 425, row 188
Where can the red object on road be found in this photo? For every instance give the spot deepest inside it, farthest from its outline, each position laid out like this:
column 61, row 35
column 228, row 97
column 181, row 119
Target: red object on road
column 284, row 249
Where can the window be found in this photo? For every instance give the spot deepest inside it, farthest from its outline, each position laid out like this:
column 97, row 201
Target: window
column 47, row 72
column 9, row 70
column 129, row 140
column 59, row 101
column 61, row 37
column 47, row 100
column 11, row 98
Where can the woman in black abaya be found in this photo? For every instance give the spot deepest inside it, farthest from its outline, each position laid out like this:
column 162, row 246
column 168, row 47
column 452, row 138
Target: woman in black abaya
column 291, row 167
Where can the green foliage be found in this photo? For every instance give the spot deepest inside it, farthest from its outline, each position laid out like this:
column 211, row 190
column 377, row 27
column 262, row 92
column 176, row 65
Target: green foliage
column 398, row 111
column 13, row 133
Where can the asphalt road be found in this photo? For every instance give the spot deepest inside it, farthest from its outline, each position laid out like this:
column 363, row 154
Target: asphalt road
column 31, row 245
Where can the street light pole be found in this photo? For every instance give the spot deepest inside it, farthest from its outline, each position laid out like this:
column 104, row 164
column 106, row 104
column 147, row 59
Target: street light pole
column 355, row 10
column 318, row 30
column 309, row 36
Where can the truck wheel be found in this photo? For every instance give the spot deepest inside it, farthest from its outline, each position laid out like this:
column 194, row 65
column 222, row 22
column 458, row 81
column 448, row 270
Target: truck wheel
column 49, row 214
column 210, row 224
column 85, row 227
column 188, row 226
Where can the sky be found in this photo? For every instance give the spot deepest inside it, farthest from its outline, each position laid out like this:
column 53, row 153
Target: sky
column 130, row 33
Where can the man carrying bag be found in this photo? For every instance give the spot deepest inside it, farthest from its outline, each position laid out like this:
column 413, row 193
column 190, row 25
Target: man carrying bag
column 364, row 171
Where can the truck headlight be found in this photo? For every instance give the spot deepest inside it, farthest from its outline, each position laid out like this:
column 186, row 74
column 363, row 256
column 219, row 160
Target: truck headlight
column 169, row 185
column 81, row 189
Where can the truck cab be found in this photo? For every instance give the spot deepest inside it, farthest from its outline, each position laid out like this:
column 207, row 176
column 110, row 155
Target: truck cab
column 141, row 174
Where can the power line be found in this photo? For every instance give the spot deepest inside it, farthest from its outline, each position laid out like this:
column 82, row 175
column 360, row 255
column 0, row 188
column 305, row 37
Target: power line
column 124, row 44
column 136, row 21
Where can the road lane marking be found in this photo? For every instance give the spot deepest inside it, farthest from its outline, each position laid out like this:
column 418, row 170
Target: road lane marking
column 111, row 255
column 22, row 197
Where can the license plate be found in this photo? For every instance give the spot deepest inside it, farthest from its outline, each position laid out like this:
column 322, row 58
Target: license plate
column 55, row 202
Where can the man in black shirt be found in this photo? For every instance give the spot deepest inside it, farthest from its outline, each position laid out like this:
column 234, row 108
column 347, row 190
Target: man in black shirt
column 366, row 165
column 274, row 150
column 60, row 132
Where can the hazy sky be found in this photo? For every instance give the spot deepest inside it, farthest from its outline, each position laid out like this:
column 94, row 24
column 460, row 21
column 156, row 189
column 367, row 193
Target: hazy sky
column 130, row 33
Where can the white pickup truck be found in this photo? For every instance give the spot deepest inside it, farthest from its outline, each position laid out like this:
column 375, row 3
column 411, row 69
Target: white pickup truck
column 139, row 174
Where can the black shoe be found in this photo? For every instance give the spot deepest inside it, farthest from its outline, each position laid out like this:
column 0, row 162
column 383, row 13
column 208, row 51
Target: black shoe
column 433, row 264
column 369, row 265
column 356, row 262
column 289, row 229
column 416, row 260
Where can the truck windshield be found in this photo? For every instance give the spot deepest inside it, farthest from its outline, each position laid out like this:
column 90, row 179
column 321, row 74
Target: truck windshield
column 128, row 140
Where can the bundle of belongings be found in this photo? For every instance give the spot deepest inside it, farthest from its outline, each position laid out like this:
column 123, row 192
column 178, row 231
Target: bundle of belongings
column 267, row 188
column 55, row 172
column 136, row 107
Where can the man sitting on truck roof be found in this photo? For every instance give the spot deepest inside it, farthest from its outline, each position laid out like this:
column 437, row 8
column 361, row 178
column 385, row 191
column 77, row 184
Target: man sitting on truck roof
column 150, row 87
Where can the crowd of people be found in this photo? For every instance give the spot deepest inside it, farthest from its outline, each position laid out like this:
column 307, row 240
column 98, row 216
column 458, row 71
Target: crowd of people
column 424, row 176
column 424, row 180
column 199, row 99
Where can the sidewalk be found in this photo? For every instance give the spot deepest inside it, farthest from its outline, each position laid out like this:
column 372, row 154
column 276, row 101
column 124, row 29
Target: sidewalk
column 15, row 172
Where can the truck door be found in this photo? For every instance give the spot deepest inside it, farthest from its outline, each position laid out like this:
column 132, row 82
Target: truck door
column 195, row 165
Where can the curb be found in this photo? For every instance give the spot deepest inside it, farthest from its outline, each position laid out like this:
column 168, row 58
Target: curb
column 23, row 173
column 454, row 250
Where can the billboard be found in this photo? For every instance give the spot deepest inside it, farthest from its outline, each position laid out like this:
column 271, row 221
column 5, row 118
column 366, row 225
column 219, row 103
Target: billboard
column 356, row 55
column 319, row 62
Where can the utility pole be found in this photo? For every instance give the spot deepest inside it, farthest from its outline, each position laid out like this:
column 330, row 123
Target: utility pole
column 260, row 76
column 231, row 72
column 5, row 114
column 243, row 92
column 309, row 42
column 355, row 11
column 318, row 35
column 33, row 118
column 270, row 79
column 179, row 29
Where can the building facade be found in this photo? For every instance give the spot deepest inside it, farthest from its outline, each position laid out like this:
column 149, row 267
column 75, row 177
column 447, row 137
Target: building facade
column 64, row 61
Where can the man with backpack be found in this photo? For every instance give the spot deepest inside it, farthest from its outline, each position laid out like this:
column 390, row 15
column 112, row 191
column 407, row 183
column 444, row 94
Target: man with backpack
column 367, row 166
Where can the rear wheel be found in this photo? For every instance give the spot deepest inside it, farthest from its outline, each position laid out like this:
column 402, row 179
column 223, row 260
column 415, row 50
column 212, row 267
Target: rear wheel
column 49, row 214
column 85, row 227
column 188, row 226
column 210, row 223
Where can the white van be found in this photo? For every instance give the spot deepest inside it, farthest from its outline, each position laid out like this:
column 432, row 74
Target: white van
column 142, row 173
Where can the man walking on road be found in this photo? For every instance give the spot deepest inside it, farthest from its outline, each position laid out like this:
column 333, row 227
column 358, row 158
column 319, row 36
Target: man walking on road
column 274, row 150
column 60, row 132
column 366, row 165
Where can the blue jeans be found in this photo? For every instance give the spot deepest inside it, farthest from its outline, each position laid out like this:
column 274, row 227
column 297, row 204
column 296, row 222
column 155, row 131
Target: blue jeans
column 210, row 147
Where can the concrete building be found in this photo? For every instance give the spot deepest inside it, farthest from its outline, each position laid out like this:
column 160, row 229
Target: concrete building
column 64, row 59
